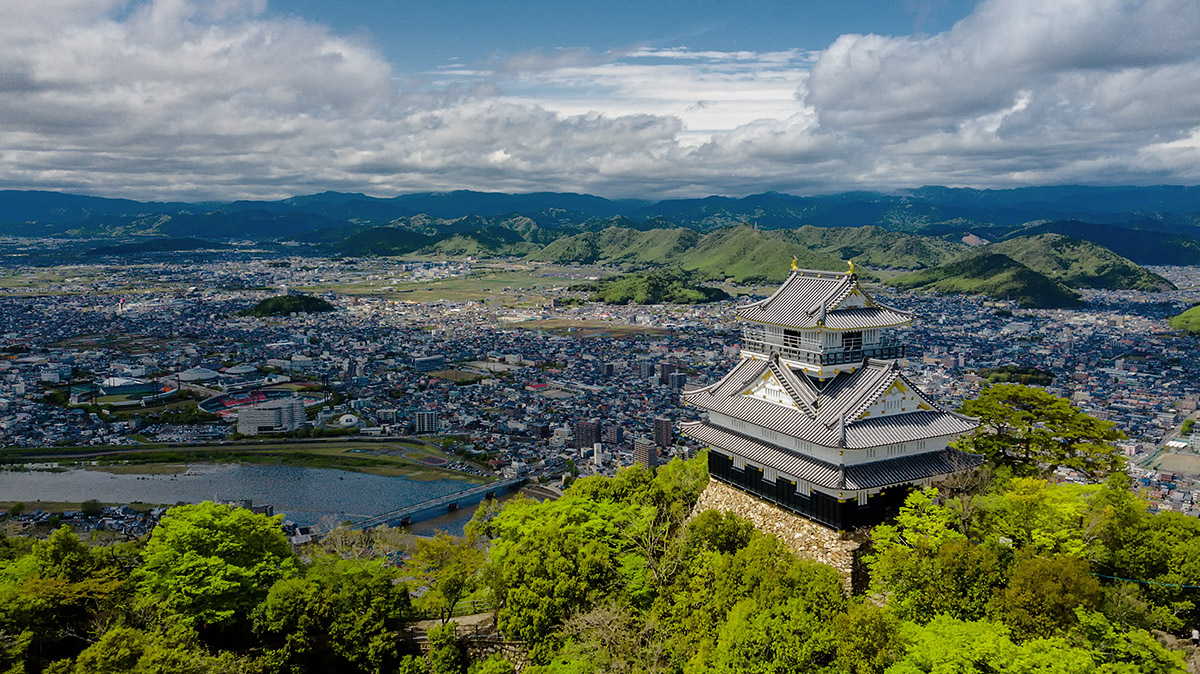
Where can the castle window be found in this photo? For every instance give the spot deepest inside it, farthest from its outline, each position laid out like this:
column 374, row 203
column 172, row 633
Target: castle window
column 852, row 340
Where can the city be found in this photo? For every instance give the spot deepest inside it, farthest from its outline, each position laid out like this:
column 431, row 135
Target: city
column 550, row 392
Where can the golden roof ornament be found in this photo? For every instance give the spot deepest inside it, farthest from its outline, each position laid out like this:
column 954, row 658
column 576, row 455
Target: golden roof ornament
column 851, row 272
column 795, row 264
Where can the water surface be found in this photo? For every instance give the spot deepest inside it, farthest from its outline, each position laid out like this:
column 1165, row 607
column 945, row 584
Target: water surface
column 306, row 495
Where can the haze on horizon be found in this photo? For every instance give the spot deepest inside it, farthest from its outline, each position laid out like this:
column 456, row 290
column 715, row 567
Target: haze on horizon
column 227, row 99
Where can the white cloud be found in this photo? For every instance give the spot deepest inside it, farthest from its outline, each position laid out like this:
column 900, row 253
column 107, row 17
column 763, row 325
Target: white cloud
column 219, row 99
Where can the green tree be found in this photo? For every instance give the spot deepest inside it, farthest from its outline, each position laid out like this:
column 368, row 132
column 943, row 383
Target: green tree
column 771, row 638
column 1037, row 432
column 212, row 564
column 341, row 615
column 868, row 639
column 448, row 568
column 722, row 532
column 446, row 655
column 555, row 558
column 1042, row 596
column 91, row 508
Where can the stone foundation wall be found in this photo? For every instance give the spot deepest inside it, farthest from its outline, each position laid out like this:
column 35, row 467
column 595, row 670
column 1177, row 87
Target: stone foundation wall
column 804, row 537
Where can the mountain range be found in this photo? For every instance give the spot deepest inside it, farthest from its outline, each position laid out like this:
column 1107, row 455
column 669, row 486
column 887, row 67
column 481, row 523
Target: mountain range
column 1029, row 243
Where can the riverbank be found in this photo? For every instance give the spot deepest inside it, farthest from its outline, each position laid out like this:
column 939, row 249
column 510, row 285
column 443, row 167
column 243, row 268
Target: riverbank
column 411, row 460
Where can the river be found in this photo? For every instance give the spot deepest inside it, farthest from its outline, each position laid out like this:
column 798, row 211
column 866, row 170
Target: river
column 303, row 495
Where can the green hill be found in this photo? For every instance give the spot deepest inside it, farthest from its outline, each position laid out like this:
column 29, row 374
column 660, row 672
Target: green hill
column 994, row 275
column 1079, row 264
column 1143, row 246
column 749, row 255
column 652, row 287
column 481, row 242
column 282, row 305
column 619, row 245
column 877, row 247
column 1188, row 321
column 383, row 241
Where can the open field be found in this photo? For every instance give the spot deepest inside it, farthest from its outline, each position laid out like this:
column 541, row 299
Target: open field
column 1178, row 463
column 141, row 468
column 76, row 280
column 457, row 376
column 502, row 284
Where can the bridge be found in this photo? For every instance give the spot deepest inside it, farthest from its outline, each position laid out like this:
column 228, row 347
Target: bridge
column 436, row 506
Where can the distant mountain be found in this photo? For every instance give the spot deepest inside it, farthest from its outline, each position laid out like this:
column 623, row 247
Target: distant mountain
column 1141, row 246
column 652, row 287
column 1188, row 321
column 45, row 208
column 157, row 246
column 383, row 241
column 542, row 217
column 1079, row 264
column 994, row 275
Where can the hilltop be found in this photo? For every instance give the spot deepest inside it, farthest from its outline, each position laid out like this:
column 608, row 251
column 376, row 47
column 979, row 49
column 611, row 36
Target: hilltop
column 994, row 275
column 653, row 287
column 383, row 241
column 1188, row 321
column 1136, row 241
column 282, row 305
column 1077, row 263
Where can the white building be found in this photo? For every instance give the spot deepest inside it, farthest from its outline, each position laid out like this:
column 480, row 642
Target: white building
column 276, row 416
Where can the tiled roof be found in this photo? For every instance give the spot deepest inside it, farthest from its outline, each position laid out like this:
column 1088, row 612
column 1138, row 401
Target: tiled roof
column 872, row 475
column 817, row 416
column 808, row 297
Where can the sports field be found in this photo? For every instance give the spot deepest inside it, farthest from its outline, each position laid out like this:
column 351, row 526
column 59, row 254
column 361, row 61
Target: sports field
column 1188, row 464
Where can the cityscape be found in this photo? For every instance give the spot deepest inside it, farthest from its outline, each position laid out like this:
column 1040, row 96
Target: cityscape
column 549, row 392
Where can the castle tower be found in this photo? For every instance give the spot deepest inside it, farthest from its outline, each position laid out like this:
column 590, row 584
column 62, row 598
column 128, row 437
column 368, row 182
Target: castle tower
column 818, row 417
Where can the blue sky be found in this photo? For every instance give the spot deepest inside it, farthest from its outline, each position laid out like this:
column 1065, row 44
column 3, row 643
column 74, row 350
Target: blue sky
column 425, row 34
column 227, row 99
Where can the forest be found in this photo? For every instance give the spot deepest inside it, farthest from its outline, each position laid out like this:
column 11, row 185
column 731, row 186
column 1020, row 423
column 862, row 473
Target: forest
column 1004, row 570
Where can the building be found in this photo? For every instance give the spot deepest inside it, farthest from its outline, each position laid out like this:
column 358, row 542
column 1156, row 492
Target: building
column 274, row 416
column 614, row 434
column 426, row 421
column 665, row 370
column 677, row 380
column 645, row 453
column 55, row 374
column 664, row 433
column 645, row 369
column 818, row 417
column 429, row 363
column 587, row 433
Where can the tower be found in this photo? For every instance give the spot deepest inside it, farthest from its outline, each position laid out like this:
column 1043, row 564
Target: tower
column 818, row 417
column 663, row 432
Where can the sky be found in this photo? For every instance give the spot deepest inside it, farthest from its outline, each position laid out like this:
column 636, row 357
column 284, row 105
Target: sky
column 229, row 99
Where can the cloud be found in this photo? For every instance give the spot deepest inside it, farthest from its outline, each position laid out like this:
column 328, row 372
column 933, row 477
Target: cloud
column 221, row 99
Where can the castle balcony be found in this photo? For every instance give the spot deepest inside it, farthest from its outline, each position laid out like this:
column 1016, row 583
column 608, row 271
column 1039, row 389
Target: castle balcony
column 886, row 351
